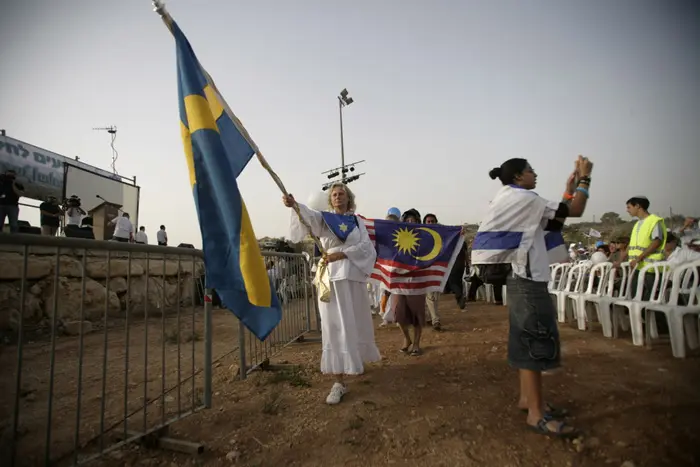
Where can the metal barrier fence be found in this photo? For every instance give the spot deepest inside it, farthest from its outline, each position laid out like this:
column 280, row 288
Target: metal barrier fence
column 105, row 343
column 290, row 273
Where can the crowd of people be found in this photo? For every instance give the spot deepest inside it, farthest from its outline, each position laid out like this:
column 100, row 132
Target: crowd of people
column 348, row 332
column 57, row 218
column 515, row 254
column 681, row 245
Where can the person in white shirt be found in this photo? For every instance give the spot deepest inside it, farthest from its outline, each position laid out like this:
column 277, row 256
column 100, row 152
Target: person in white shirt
column 74, row 215
column 141, row 236
column 123, row 228
column 347, row 333
column 690, row 231
column 677, row 254
column 533, row 341
column 162, row 236
column 273, row 274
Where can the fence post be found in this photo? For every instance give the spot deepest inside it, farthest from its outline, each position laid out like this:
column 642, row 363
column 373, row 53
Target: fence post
column 241, row 350
column 307, row 274
column 207, row 348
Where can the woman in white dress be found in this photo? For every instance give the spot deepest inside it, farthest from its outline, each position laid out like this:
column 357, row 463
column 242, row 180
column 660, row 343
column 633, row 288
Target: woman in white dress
column 347, row 331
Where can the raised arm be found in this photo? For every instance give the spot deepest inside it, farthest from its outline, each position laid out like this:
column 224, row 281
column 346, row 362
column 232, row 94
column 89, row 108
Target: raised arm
column 575, row 196
column 314, row 219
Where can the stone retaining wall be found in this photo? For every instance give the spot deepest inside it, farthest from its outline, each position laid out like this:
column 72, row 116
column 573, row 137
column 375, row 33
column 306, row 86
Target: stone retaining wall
column 131, row 285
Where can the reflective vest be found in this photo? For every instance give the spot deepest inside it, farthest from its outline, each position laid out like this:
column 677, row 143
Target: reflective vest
column 640, row 239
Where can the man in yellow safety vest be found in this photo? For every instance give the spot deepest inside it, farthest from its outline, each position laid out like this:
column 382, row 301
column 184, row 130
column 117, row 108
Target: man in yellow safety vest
column 647, row 240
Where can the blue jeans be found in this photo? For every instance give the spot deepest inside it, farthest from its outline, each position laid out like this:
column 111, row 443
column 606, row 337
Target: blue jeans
column 12, row 213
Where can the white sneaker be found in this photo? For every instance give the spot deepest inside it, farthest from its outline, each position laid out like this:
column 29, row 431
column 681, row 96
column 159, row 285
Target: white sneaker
column 337, row 392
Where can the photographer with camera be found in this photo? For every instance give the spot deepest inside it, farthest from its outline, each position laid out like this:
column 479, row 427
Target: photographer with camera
column 74, row 212
column 10, row 193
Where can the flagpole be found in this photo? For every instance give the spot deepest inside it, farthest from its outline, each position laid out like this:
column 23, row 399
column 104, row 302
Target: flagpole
column 159, row 7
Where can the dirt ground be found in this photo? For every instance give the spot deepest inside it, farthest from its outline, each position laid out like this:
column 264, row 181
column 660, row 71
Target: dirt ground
column 453, row 406
column 76, row 395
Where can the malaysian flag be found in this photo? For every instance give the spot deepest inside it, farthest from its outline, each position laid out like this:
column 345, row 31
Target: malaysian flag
column 413, row 259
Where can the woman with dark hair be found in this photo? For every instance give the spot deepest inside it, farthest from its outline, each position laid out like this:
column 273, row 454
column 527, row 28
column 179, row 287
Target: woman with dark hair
column 513, row 234
column 409, row 310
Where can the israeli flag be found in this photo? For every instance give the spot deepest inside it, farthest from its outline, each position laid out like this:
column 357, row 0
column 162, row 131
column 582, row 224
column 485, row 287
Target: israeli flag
column 511, row 227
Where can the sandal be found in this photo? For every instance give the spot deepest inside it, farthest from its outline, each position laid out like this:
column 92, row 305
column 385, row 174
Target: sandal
column 541, row 428
column 416, row 352
column 551, row 411
column 405, row 349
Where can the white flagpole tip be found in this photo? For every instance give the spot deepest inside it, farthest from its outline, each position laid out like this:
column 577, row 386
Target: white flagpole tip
column 159, row 7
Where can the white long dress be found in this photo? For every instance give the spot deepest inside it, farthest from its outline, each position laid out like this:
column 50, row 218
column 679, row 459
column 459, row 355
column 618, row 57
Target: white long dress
column 347, row 330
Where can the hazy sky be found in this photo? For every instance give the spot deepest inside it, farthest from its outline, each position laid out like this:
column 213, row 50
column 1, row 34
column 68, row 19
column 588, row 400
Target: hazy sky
column 443, row 90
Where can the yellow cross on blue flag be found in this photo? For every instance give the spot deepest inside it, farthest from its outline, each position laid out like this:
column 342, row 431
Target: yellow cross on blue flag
column 217, row 148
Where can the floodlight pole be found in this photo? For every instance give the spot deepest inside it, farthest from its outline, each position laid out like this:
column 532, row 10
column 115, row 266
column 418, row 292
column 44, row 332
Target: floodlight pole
column 342, row 145
column 343, row 101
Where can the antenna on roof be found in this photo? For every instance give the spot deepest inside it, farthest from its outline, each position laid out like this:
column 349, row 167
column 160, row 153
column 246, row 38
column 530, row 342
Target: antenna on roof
column 112, row 130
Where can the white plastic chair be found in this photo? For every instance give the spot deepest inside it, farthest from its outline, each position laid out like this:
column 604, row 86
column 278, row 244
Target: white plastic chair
column 484, row 292
column 602, row 304
column 504, row 294
column 466, row 282
column 488, row 294
column 557, row 276
column 682, row 325
column 634, row 306
column 578, row 299
column 574, row 281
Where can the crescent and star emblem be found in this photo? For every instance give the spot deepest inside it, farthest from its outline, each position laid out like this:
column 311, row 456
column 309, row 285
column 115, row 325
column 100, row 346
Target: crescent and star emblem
column 406, row 241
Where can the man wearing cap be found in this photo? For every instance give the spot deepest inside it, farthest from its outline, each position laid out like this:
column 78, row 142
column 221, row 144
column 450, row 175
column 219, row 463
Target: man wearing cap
column 647, row 240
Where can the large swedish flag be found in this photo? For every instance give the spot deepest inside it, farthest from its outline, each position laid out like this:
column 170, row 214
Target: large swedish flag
column 217, row 151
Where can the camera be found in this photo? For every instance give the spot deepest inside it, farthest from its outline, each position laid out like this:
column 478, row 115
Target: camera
column 72, row 202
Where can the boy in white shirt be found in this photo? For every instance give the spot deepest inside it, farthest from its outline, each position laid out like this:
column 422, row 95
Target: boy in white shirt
column 141, row 236
column 162, row 236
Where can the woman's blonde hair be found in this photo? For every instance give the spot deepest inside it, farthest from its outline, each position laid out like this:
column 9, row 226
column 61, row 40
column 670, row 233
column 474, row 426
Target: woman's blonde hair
column 348, row 193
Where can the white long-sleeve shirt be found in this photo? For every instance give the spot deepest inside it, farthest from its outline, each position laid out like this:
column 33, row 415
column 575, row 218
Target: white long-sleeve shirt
column 123, row 228
column 358, row 247
column 683, row 255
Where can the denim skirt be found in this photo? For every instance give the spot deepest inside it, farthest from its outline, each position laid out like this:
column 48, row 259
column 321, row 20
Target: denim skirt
column 533, row 338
